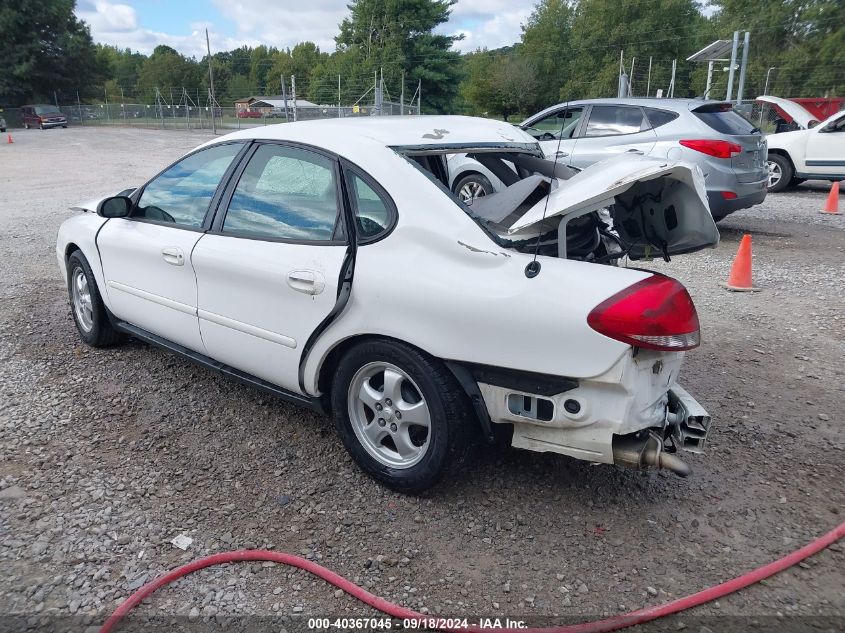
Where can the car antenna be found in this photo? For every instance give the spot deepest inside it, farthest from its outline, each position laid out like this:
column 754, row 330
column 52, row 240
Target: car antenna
column 533, row 267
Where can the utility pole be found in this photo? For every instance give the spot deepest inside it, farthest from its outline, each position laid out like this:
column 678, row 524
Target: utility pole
column 106, row 94
column 293, row 94
column 631, row 78
column 210, row 82
column 79, row 106
column 419, row 98
column 375, row 92
column 672, row 81
column 338, row 96
column 731, row 70
column 402, row 96
column 745, row 43
column 285, row 99
column 648, row 82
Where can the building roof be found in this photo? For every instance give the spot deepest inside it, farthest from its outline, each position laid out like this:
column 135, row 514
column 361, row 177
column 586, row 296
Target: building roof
column 279, row 102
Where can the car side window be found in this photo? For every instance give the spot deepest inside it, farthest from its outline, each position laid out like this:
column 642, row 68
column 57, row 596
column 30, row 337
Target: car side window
column 660, row 117
column 560, row 124
column 372, row 212
column 285, row 193
column 181, row 194
column 610, row 120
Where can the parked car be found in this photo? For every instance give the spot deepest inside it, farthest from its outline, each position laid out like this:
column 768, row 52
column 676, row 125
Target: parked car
column 42, row 116
column 813, row 150
column 328, row 263
column 2, row 124
column 730, row 151
column 249, row 114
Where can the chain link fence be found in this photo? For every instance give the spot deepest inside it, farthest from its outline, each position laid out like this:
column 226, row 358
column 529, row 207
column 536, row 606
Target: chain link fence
column 191, row 117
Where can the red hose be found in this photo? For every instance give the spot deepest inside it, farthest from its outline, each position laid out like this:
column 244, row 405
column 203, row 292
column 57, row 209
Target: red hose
column 600, row 626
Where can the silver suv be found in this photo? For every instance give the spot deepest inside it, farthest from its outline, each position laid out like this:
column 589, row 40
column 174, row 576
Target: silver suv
column 730, row 151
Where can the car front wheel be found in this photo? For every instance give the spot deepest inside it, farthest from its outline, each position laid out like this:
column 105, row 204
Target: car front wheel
column 780, row 172
column 473, row 186
column 401, row 414
column 89, row 312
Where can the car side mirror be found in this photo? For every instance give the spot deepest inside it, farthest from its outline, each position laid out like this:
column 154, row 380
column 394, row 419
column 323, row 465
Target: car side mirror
column 114, row 207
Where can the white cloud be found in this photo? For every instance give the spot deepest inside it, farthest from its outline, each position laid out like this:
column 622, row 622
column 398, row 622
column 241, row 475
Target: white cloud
column 484, row 23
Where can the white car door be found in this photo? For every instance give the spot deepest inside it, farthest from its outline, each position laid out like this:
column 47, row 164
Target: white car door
column 557, row 132
column 268, row 271
column 825, row 153
column 146, row 257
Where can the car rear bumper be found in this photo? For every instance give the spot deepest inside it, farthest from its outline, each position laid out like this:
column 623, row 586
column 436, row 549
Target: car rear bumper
column 747, row 195
column 631, row 400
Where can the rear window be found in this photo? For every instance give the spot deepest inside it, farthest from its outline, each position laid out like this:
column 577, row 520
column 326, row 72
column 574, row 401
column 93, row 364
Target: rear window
column 726, row 121
column 660, row 117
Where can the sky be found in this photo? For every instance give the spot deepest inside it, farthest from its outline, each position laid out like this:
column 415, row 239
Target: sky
column 144, row 24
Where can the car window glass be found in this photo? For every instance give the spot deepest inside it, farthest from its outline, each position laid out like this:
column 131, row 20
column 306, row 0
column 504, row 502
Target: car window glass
column 285, row 193
column 607, row 120
column 726, row 121
column 550, row 126
column 371, row 212
column 660, row 117
column 182, row 193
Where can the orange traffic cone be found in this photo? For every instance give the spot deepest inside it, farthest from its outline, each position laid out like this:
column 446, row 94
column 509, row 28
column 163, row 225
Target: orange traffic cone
column 740, row 278
column 9, row 140
column 831, row 207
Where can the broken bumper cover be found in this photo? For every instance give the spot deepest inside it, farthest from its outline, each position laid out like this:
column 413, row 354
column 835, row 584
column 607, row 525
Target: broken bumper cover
column 631, row 406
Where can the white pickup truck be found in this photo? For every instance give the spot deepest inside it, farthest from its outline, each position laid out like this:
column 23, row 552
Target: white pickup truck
column 815, row 151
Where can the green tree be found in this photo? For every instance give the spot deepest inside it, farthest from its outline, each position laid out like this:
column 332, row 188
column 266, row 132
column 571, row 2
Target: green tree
column 803, row 40
column 45, row 48
column 663, row 29
column 397, row 37
column 168, row 71
column 546, row 44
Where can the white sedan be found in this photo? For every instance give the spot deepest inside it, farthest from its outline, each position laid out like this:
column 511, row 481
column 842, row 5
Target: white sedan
column 328, row 262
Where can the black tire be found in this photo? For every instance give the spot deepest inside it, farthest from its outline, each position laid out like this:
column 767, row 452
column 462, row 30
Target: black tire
column 449, row 408
column 786, row 172
column 101, row 334
column 485, row 188
column 64, row 126
column 796, row 181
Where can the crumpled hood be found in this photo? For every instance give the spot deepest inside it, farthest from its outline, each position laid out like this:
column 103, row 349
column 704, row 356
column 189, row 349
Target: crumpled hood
column 656, row 206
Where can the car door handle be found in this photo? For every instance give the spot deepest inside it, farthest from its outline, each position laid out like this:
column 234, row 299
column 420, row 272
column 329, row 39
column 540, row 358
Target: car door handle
column 308, row 281
column 561, row 154
column 173, row 255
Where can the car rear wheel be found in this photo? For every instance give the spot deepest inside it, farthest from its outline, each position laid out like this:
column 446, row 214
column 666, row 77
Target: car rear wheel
column 89, row 312
column 401, row 414
column 473, row 186
column 780, row 172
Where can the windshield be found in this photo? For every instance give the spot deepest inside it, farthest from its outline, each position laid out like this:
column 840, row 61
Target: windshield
column 46, row 109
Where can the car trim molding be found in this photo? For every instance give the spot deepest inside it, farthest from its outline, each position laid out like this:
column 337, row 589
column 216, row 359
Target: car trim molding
column 149, row 296
column 246, row 328
column 825, row 163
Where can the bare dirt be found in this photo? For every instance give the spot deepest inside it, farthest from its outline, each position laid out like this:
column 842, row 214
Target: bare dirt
column 106, row 455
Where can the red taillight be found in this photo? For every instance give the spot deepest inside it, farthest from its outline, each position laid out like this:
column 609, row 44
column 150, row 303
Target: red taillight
column 655, row 313
column 728, row 195
column 719, row 149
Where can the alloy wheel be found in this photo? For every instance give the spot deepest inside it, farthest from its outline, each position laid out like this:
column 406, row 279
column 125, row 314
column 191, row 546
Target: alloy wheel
column 389, row 415
column 775, row 173
column 82, row 304
column 470, row 191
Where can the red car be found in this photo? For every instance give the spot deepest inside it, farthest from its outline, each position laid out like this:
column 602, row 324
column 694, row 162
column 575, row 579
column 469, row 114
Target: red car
column 249, row 114
column 42, row 116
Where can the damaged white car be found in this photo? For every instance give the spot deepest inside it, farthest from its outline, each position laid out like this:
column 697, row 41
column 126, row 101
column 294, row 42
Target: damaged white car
column 327, row 262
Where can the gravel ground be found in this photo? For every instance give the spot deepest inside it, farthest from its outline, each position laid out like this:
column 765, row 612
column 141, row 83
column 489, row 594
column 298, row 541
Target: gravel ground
column 107, row 455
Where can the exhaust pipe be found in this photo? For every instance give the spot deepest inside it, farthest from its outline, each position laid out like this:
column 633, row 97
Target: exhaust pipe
column 644, row 452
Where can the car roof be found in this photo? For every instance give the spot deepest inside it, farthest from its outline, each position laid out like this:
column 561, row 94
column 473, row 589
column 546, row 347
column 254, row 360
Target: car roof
column 342, row 135
column 677, row 104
